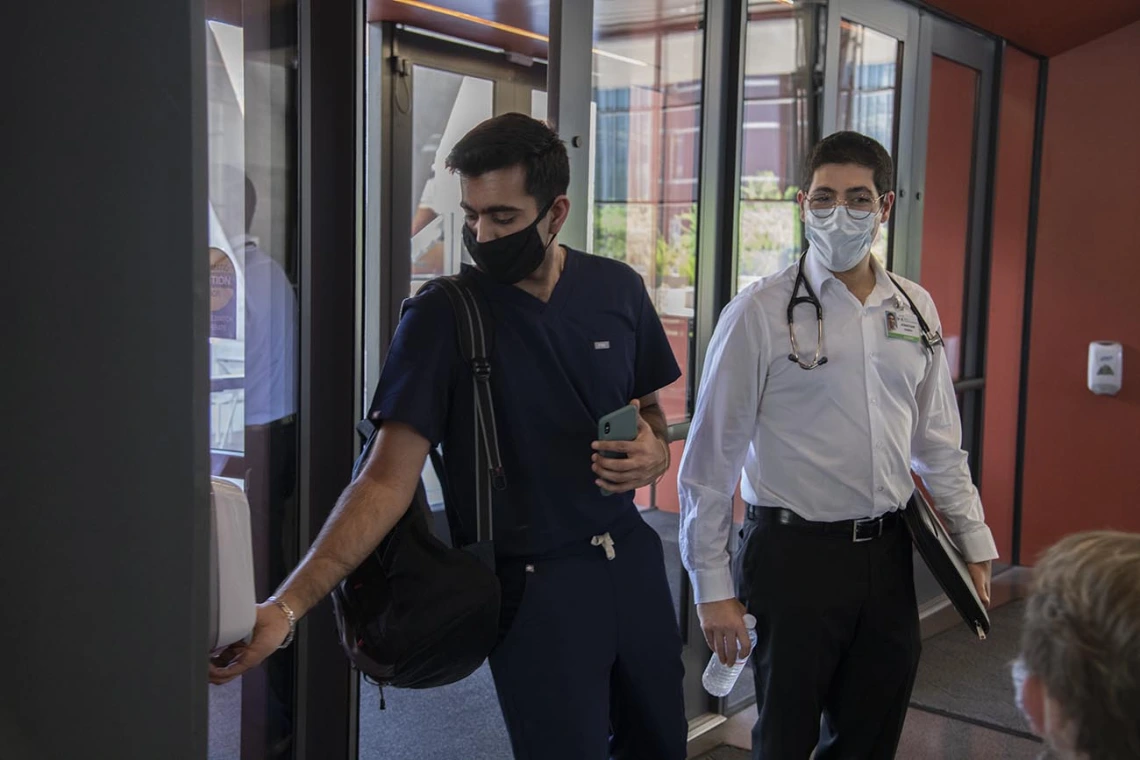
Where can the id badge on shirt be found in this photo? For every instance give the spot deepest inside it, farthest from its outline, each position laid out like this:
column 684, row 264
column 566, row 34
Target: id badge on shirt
column 903, row 325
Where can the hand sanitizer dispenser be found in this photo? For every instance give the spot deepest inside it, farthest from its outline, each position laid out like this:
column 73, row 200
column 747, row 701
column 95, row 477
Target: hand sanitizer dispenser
column 1106, row 367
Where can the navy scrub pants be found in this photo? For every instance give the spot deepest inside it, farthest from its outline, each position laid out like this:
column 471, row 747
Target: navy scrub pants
column 590, row 667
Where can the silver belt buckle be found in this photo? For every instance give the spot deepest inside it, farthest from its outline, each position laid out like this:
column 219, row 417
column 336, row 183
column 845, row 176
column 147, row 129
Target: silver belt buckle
column 856, row 538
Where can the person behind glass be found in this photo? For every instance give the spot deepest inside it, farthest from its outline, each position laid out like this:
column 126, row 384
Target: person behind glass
column 1078, row 677
column 823, row 440
column 590, row 663
column 270, row 463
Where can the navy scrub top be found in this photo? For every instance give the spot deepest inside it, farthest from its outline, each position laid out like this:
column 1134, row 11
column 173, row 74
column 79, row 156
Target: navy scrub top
column 557, row 367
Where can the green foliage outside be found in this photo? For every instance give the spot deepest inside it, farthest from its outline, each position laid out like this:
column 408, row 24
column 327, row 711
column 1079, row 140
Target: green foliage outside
column 610, row 230
column 770, row 234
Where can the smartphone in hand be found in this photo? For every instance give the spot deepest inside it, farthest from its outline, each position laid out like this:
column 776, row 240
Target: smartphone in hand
column 620, row 425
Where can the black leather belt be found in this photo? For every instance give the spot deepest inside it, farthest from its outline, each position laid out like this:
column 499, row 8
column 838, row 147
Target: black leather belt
column 856, row 530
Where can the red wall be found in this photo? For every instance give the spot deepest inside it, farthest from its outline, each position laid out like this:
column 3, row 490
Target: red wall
column 946, row 206
column 1012, row 190
column 1082, row 450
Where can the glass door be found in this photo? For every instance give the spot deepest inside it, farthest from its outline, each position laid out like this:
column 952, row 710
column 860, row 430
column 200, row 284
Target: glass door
column 447, row 105
column 951, row 212
column 923, row 88
column 870, row 81
column 254, row 337
column 424, row 94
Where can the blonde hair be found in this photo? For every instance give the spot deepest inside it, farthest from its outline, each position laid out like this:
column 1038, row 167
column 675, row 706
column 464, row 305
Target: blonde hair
column 1082, row 638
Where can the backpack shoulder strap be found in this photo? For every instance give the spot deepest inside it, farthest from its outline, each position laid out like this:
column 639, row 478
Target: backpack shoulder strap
column 474, row 328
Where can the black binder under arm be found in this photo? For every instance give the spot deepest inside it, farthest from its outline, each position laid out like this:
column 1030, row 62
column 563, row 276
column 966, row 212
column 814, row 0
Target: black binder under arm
column 946, row 563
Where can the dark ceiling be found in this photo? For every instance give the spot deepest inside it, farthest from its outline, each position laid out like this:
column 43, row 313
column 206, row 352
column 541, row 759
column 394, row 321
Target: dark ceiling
column 1045, row 27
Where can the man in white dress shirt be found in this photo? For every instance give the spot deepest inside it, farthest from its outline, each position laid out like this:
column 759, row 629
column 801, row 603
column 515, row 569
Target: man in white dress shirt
column 823, row 437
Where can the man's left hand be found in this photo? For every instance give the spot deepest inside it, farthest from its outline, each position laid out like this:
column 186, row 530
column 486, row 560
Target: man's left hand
column 980, row 573
column 647, row 458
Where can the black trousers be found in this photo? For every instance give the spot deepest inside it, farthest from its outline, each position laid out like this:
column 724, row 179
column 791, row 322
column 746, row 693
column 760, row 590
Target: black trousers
column 838, row 638
column 590, row 667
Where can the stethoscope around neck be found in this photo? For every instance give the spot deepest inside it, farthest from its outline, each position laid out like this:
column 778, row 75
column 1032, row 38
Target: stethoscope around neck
column 930, row 339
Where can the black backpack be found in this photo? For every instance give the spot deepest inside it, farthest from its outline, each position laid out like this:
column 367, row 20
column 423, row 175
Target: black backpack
column 417, row 613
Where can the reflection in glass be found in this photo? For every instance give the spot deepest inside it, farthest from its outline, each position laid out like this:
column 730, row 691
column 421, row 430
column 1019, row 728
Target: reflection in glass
column 774, row 138
column 253, row 338
column 446, row 107
column 869, row 78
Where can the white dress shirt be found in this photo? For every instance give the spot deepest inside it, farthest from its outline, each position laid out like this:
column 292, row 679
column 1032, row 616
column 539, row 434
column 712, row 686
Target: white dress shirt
column 837, row 442
column 270, row 338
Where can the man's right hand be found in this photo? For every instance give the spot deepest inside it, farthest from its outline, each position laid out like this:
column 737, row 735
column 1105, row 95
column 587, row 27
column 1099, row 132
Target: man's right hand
column 269, row 631
column 723, row 625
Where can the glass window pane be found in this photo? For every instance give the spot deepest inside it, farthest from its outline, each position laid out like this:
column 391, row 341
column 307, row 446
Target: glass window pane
column 774, row 136
column 252, row 133
column 647, row 91
column 446, row 107
column 648, row 96
column 870, row 71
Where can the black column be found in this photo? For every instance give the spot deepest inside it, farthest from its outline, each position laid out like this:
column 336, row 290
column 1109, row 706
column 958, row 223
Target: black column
column 331, row 165
column 104, row 495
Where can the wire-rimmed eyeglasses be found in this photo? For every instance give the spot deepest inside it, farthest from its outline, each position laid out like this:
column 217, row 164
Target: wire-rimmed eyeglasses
column 860, row 207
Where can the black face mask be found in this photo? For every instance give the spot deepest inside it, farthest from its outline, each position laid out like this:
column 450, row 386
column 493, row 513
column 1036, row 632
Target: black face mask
column 509, row 259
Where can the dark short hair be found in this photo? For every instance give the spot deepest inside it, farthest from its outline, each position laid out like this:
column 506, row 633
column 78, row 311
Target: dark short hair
column 853, row 148
column 515, row 139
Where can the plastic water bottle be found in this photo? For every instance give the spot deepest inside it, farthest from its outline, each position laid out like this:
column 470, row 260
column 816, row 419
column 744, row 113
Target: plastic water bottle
column 719, row 678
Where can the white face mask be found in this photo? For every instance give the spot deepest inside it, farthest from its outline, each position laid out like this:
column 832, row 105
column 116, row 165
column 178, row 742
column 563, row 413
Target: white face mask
column 839, row 241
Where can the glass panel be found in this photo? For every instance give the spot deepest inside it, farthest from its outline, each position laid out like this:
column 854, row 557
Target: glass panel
column 647, row 88
column 775, row 133
column 946, row 206
column 251, row 81
column 446, row 107
column 870, row 70
column 648, row 95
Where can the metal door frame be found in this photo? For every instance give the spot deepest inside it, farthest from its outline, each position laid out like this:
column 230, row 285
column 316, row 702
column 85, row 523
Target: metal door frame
column 982, row 53
column 923, row 35
column 902, row 22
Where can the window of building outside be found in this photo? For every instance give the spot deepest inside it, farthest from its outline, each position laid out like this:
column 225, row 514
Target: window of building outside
column 775, row 137
column 870, row 71
column 648, row 63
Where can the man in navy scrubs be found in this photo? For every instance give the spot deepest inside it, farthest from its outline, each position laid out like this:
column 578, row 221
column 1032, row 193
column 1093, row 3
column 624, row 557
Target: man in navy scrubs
column 590, row 664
